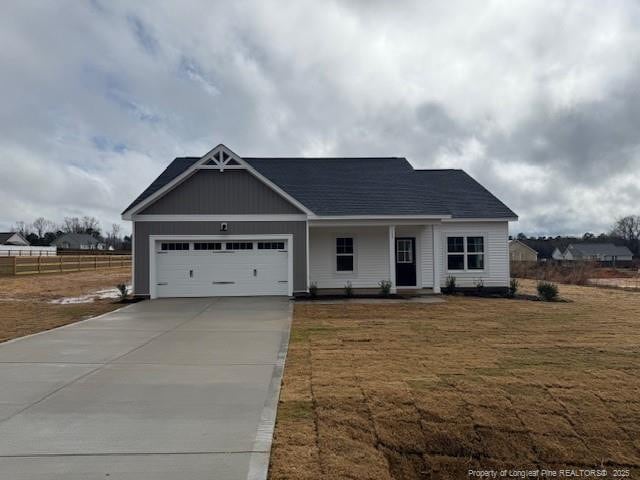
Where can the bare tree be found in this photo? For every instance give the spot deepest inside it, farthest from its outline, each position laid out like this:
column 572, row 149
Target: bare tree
column 41, row 226
column 628, row 229
column 71, row 225
column 113, row 237
column 22, row 228
column 90, row 225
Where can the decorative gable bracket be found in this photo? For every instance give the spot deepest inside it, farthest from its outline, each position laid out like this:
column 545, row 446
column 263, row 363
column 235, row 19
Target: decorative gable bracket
column 220, row 159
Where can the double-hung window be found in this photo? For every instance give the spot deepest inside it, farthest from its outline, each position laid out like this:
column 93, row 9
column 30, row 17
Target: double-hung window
column 344, row 254
column 465, row 253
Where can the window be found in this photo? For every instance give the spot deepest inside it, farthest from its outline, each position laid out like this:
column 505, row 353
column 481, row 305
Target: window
column 465, row 253
column 270, row 245
column 239, row 245
column 344, row 254
column 207, row 246
column 174, row 246
column 404, row 251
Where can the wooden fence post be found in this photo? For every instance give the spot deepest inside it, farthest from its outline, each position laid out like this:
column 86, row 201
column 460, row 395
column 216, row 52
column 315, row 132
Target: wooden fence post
column 15, row 266
column 38, row 264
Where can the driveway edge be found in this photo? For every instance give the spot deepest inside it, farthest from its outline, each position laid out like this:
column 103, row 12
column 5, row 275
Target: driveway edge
column 261, row 450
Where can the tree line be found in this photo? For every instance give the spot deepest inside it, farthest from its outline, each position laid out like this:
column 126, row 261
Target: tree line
column 43, row 232
column 625, row 231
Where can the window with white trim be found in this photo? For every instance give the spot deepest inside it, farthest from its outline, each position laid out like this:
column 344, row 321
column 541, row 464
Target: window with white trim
column 207, row 246
column 270, row 245
column 174, row 246
column 404, row 250
column 344, row 254
column 465, row 253
column 239, row 245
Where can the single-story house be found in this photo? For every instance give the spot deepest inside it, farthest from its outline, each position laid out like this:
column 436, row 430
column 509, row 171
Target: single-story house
column 13, row 239
column 78, row 241
column 521, row 252
column 598, row 252
column 557, row 254
column 222, row 224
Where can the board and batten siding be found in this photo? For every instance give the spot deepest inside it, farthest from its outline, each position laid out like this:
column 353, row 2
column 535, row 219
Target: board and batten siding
column 496, row 272
column 211, row 192
column 371, row 256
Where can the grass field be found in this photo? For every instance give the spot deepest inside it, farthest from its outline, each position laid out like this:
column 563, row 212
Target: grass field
column 25, row 306
column 408, row 391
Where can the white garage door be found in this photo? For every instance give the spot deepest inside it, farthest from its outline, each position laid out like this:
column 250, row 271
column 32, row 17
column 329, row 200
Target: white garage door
column 209, row 268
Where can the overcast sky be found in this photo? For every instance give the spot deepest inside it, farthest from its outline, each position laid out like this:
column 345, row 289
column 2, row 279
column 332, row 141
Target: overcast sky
column 539, row 100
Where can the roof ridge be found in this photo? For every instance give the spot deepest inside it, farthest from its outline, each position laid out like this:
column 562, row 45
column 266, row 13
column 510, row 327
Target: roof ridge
column 322, row 158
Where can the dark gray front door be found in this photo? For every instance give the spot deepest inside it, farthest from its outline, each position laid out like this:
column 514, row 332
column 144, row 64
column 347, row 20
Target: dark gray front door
column 405, row 261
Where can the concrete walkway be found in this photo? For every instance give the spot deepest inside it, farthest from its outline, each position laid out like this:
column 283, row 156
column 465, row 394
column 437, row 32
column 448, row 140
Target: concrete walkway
column 169, row 389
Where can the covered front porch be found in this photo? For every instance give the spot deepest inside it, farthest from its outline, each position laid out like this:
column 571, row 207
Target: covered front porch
column 364, row 254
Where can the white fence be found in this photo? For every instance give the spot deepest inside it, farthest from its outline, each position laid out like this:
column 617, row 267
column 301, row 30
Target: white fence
column 35, row 251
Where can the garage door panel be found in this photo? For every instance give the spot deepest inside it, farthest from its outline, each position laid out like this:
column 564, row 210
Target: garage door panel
column 196, row 273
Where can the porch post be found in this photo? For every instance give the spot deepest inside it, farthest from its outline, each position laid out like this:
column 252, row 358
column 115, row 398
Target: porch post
column 437, row 256
column 392, row 257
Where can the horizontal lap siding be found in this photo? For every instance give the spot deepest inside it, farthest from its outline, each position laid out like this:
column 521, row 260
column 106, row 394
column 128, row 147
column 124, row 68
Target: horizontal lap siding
column 371, row 257
column 426, row 243
column 142, row 231
column 496, row 273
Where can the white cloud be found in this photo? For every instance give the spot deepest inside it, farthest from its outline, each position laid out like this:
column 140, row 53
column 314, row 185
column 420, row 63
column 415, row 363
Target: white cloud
column 531, row 99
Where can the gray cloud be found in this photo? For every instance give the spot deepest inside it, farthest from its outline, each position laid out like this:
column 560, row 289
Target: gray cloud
column 540, row 102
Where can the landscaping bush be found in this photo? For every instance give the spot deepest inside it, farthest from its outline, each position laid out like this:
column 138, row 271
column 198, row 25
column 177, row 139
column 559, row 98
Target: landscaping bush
column 547, row 291
column 313, row 289
column 348, row 289
column 123, row 290
column 513, row 287
column 479, row 285
column 450, row 285
column 385, row 287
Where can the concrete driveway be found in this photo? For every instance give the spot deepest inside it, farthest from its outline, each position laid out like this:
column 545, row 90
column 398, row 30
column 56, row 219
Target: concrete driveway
column 165, row 389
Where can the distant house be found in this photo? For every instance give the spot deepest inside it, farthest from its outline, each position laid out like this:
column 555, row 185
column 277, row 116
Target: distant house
column 557, row 254
column 521, row 252
column 599, row 252
column 14, row 239
column 78, row 241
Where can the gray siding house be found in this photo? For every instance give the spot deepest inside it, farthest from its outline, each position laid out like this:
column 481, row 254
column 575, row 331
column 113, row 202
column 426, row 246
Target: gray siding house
column 598, row 252
column 225, row 225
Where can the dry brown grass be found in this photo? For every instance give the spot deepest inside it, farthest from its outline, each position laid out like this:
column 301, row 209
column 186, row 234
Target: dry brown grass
column 24, row 300
column 409, row 391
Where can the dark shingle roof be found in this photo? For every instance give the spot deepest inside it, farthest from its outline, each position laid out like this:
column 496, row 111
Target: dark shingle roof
column 174, row 169
column 366, row 186
column 4, row 236
column 608, row 249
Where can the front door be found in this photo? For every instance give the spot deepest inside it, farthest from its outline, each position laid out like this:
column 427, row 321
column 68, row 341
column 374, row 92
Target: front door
column 406, row 262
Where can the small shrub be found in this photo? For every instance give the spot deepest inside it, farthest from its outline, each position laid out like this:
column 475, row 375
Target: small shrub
column 547, row 291
column 513, row 287
column 313, row 289
column 348, row 289
column 450, row 285
column 123, row 291
column 479, row 285
column 385, row 287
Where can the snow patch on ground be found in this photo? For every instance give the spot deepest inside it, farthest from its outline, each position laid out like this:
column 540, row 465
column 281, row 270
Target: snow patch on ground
column 108, row 293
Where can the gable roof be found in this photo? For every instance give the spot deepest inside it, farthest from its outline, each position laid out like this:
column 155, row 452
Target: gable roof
column 5, row 236
column 77, row 239
column 608, row 249
column 520, row 242
column 341, row 186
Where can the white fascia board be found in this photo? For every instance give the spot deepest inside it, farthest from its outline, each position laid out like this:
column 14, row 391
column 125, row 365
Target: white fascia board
column 378, row 217
column 502, row 219
column 197, row 165
column 222, row 218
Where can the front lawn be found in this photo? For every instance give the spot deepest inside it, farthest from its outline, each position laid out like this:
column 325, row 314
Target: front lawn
column 25, row 300
column 409, row 391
